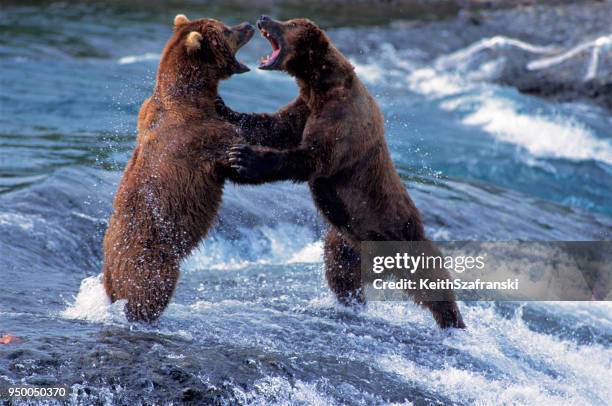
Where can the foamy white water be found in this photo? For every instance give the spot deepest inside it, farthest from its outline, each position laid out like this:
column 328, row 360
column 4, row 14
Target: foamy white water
column 542, row 136
column 496, row 42
column 430, row 82
column 280, row 391
column 282, row 244
column 581, row 376
column 595, row 47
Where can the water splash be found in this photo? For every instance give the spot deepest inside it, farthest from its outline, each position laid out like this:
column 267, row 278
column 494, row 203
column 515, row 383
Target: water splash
column 93, row 304
column 596, row 46
column 549, row 55
column 497, row 42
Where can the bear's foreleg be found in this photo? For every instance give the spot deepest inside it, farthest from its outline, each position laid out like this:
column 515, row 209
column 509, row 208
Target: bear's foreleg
column 281, row 130
column 260, row 165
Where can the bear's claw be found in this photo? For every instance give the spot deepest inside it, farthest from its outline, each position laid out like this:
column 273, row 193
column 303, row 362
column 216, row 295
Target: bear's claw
column 244, row 160
column 220, row 106
column 252, row 163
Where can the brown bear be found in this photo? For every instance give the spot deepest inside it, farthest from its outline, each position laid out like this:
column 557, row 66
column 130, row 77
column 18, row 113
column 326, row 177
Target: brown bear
column 171, row 188
column 341, row 153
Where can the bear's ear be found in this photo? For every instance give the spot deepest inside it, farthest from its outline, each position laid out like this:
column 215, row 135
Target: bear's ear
column 193, row 41
column 317, row 42
column 179, row 20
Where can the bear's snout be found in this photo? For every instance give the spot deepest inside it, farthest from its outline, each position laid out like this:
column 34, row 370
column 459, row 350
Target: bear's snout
column 244, row 33
column 245, row 26
column 263, row 20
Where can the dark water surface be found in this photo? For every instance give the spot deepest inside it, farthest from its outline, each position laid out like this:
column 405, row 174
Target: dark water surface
column 252, row 321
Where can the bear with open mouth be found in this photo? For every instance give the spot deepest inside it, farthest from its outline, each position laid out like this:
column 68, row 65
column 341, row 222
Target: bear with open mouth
column 332, row 136
column 171, row 188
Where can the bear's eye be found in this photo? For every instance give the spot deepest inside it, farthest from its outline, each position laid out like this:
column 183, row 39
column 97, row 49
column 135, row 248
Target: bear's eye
column 293, row 25
column 226, row 32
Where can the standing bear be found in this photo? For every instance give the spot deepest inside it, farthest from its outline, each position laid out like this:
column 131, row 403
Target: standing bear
column 171, row 188
column 341, row 153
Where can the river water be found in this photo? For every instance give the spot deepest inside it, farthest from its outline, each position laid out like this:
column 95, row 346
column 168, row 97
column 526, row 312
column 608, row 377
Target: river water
column 252, row 320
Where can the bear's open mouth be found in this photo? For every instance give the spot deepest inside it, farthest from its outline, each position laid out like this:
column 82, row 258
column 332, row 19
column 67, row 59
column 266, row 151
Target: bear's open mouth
column 269, row 60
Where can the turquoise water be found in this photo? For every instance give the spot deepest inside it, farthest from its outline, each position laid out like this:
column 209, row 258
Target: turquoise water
column 252, row 320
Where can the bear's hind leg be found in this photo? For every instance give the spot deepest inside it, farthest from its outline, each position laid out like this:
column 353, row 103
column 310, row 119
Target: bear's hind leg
column 343, row 269
column 446, row 314
column 148, row 298
column 107, row 281
column 441, row 303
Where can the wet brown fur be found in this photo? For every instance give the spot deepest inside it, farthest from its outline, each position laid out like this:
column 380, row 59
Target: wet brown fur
column 171, row 188
column 343, row 156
